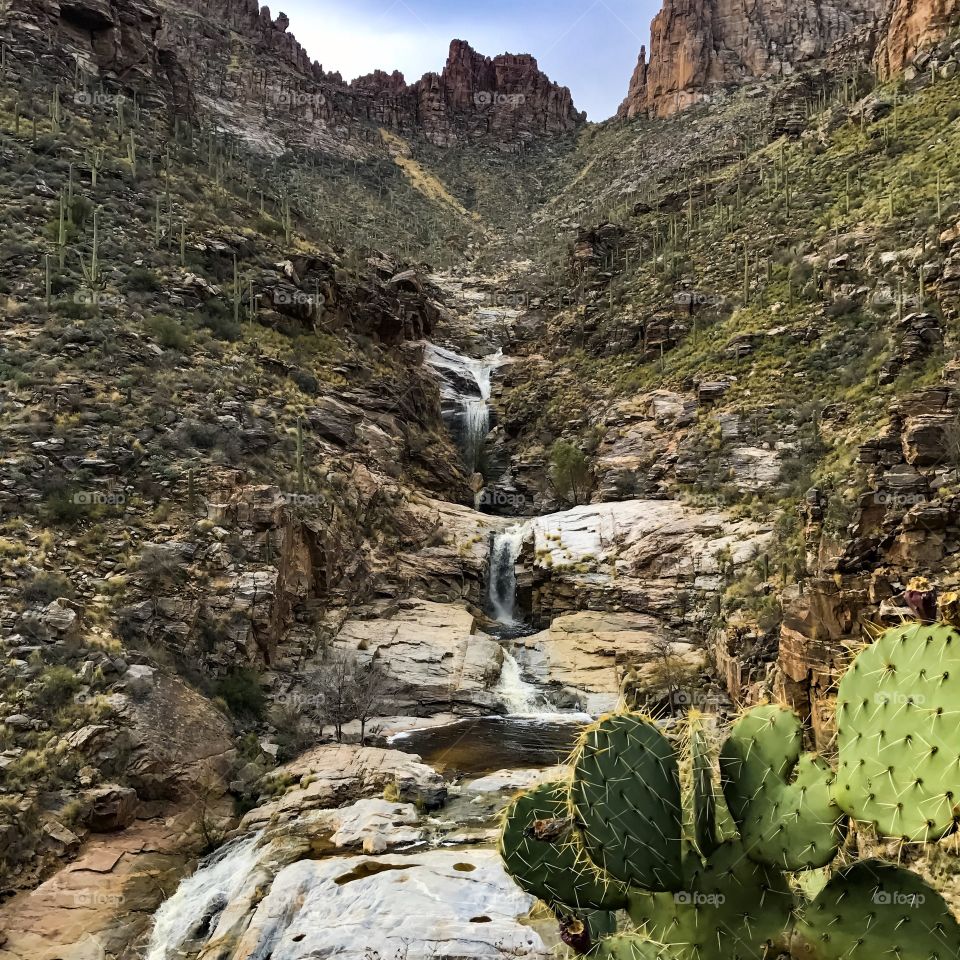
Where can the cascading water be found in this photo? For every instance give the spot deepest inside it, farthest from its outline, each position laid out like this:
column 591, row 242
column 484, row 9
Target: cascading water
column 520, row 698
column 466, row 385
column 194, row 909
column 502, row 587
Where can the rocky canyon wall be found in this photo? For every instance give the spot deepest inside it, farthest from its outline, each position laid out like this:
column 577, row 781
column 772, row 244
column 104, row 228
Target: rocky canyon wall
column 237, row 60
column 912, row 26
column 700, row 46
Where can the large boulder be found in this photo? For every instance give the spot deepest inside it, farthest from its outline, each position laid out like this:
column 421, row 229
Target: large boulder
column 334, row 775
column 111, row 808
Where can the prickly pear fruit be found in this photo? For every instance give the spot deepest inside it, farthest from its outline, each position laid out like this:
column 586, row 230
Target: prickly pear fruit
column 781, row 799
column 557, row 871
column 874, row 909
column 626, row 793
column 581, row 930
column 898, row 707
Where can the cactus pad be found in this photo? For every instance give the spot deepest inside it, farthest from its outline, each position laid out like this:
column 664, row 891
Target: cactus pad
column 557, row 871
column 897, row 712
column 873, row 910
column 626, row 793
column 781, row 799
column 703, row 796
column 633, row 946
column 730, row 910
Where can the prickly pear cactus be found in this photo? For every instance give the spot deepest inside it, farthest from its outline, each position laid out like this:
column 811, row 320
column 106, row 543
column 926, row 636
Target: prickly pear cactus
column 542, row 851
column 633, row 946
column 706, row 833
column 898, row 709
column 781, row 799
column 730, row 909
column 872, row 910
column 626, row 794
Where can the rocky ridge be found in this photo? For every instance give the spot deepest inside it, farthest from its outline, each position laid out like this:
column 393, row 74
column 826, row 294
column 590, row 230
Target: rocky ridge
column 233, row 60
column 700, row 48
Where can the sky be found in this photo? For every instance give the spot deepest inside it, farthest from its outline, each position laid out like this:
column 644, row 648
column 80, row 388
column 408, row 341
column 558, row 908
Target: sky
column 590, row 46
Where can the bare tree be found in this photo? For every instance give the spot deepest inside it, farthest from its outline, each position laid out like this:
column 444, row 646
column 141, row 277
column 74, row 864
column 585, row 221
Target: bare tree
column 350, row 689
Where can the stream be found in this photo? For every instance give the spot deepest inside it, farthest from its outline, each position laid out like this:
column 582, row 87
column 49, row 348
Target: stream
column 442, row 895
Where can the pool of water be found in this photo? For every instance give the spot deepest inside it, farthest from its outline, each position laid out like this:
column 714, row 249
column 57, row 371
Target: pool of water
column 475, row 747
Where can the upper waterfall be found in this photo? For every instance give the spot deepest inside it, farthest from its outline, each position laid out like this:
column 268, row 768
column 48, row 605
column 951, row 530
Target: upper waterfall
column 465, row 389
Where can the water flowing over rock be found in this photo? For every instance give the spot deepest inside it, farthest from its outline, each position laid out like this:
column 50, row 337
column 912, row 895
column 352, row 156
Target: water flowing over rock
column 465, row 388
column 502, row 587
column 517, row 695
column 200, row 899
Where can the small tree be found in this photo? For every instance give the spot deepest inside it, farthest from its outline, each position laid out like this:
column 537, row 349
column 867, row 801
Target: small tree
column 371, row 684
column 570, row 473
column 348, row 689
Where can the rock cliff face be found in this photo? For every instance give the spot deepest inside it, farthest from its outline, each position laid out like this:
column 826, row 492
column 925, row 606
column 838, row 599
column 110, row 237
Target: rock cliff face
column 701, row 45
column 912, row 26
column 234, row 58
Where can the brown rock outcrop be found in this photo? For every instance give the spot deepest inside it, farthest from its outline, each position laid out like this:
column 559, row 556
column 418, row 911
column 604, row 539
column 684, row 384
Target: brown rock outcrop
column 912, row 26
column 698, row 46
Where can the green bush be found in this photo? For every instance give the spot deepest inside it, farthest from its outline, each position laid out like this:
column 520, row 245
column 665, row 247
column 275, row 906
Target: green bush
column 168, row 333
column 569, row 472
column 241, row 692
column 45, row 587
column 142, row 280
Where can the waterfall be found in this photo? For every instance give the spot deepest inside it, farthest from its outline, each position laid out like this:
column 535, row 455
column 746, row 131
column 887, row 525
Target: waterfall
column 465, row 388
column 194, row 910
column 519, row 697
column 502, row 587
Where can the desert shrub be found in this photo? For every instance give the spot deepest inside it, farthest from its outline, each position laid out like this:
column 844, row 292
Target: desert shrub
column 56, row 687
column 242, row 693
column 168, row 333
column 142, row 280
column 45, row 587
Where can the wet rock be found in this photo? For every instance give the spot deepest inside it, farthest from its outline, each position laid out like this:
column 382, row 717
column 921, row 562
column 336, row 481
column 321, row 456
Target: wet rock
column 437, row 903
column 434, row 654
column 593, row 652
column 334, row 775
